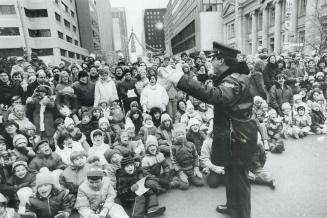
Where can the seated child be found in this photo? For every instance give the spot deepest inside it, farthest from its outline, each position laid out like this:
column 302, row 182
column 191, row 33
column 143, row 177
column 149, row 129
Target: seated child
column 274, row 129
column 103, row 105
column 60, row 127
column 185, row 159
column 287, row 118
column 99, row 147
column 318, row 119
column 146, row 204
column 155, row 164
column 148, row 128
column 124, row 146
column 214, row 174
column 302, row 122
column 22, row 177
column 76, row 133
column 96, row 197
column 75, row 173
column 113, row 157
column 48, row 200
column 46, row 158
column 194, row 134
column 164, row 134
column 86, row 127
column 32, row 138
column 109, row 135
column 117, row 115
column 21, row 151
column 156, row 116
column 18, row 115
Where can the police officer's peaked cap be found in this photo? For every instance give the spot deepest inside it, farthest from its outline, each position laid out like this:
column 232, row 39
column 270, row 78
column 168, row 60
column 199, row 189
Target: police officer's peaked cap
column 225, row 51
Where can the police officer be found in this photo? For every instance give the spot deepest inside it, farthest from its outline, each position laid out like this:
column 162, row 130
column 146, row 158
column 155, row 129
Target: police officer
column 235, row 134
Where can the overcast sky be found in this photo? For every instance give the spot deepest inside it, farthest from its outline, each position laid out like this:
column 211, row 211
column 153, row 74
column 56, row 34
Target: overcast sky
column 134, row 12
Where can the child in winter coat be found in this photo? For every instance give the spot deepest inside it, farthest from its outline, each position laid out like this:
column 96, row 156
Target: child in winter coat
column 109, row 135
column 7, row 212
column 274, row 129
column 75, row 174
column 190, row 113
column 214, row 174
column 48, row 200
column 146, row 204
column 22, row 176
column 99, row 147
column 185, row 160
column 18, row 115
column 60, row 127
column 153, row 163
column 164, row 134
column 134, row 140
column 194, row 134
column 288, row 130
column 86, row 127
column 30, row 133
column 21, row 151
column 147, row 129
column 117, row 121
column 103, row 104
column 318, row 119
column 76, row 133
column 96, row 197
column 257, row 104
column 181, row 107
column 302, row 121
column 68, row 145
column 45, row 158
column 123, row 145
column 137, row 119
column 205, row 112
column 113, row 157
column 298, row 102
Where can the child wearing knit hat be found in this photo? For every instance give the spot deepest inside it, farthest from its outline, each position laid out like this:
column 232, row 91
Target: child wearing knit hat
column 318, row 119
column 275, row 129
column 153, row 163
column 287, row 117
column 99, row 147
column 148, row 128
column 185, row 159
column 109, row 135
column 113, row 157
column 48, row 200
column 127, row 178
column 76, row 133
column 194, row 134
column 96, row 197
column 20, row 148
column 164, row 134
column 302, row 121
column 75, row 173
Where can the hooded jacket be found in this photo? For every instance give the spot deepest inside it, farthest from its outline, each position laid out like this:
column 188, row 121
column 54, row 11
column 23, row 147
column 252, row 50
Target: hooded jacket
column 105, row 90
column 278, row 96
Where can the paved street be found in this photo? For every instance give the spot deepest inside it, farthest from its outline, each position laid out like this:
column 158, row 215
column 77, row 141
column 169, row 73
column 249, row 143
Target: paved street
column 300, row 174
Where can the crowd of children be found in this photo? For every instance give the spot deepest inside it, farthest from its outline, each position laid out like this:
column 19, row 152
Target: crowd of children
column 108, row 140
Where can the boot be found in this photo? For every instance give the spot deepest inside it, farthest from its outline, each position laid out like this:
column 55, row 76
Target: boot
column 223, row 209
column 156, row 211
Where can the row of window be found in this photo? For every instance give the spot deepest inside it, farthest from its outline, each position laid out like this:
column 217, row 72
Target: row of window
column 66, row 8
column 68, row 38
column 9, row 31
column 7, row 9
column 70, row 54
column 185, row 39
column 66, row 22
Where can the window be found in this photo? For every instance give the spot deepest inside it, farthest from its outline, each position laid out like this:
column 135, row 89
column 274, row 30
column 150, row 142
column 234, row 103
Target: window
column 60, row 35
column 6, row 52
column 71, row 54
column 185, row 39
column 69, row 39
column 301, row 36
column 209, row 5
column 9, row 31
column 67, row 24
column 36, row 12
column 74, row 28
column 57, row 1
column 58, row 17
column 249, row 24
column 64, row 6
column 78, row 56
column 72, row 14
column 272, row 17
column 230, row 30
column 76, row 42
column 39, row 33
column 7, row 9
column 259, row 20
column 43, row 51
column 303, row 6
column 63, row 52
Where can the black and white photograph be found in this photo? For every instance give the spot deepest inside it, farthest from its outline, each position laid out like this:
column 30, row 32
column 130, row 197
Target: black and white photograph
column 163, row 108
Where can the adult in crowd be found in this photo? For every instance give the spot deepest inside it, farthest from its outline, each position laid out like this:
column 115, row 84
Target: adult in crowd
column 9, row 89
column 84, row 91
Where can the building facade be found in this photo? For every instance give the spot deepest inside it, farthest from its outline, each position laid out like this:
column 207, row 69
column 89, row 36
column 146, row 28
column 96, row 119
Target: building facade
column 105, row 29
column 188, row 25
column 154, row 34
column 49, row 28
column 279, row 25
column 88, row 25
column 120, row 33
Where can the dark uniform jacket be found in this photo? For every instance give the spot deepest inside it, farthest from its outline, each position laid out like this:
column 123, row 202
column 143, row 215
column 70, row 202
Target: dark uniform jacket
column 232, row 100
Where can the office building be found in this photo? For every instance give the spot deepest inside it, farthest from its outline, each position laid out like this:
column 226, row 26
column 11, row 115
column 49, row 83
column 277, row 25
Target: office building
column 49, row 28
column 120, row 32
column 154, row 29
